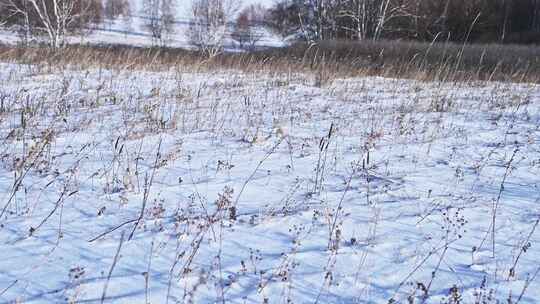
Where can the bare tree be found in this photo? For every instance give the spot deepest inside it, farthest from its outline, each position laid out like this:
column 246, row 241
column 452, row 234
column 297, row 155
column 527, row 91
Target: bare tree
column 116, row 8
column 208, row 25
column 247, row 26
column 159, row 18
column 118, row 11
column 364, row 19
column 341, row 19
column 55, row 18
column 10, row 13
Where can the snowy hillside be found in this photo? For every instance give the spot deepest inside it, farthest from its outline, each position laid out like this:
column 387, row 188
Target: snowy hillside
column 180, row 187
column 132, row 30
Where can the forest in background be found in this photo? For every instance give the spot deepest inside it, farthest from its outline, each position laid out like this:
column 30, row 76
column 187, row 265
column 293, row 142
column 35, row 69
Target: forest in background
column 505, row 21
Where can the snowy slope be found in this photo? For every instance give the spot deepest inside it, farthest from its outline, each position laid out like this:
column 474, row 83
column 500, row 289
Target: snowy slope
column 265, row 189
column 132, row 30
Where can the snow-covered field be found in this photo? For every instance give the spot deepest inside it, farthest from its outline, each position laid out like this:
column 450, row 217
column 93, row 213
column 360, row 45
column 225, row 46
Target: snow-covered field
column 181, row 187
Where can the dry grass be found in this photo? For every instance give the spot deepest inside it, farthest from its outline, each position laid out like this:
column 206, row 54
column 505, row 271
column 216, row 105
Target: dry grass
column 326, row 60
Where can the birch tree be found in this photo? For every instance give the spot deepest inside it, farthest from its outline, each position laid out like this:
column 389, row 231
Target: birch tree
column 159, row 18
column 208, row 25
column 54, row 18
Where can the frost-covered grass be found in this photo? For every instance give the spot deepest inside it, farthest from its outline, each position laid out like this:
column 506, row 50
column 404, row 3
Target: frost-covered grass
column 131, row 186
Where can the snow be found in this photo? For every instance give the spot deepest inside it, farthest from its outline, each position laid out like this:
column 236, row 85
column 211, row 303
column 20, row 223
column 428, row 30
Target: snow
column 411, row 190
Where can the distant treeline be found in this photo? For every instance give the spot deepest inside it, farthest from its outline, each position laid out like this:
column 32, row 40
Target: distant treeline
column 508, row 21
column 480, row 21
